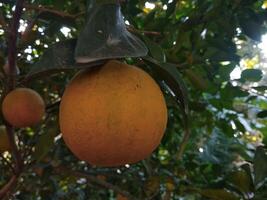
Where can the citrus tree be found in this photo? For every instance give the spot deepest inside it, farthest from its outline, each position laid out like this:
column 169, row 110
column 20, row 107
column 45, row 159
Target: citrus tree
column 108, row 99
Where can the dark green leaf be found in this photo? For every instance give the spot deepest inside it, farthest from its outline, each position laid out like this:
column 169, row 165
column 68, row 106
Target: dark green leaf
column 155, row 50
column 219, row 194
column 260, row 88
column 44, row 144
column 262, row 114
column 172, row 77
column 253, row 75
column 252, row 29
column 242, row 181
column 260, row 166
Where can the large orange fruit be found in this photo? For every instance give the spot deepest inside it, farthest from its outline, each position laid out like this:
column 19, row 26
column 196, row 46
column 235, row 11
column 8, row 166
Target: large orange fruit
column 23, row 107
column 113, row 115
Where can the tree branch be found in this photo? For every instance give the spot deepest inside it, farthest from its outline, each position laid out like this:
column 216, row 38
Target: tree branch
column 11, row 183
column 62, row 169
column 11, row 82
column 133, row 30
column 184, row 142
column 52, row 11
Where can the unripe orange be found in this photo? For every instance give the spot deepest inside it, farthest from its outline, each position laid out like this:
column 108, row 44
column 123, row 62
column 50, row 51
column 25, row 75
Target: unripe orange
column 23, row 107
column 114, row 115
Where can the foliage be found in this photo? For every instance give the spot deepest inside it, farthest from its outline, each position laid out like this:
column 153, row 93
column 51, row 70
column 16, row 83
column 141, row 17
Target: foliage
column 193, row 48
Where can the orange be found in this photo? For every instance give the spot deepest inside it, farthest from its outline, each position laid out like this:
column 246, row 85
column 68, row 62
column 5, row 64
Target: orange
column 4, row 142
column 23, row 107
column 113, row 115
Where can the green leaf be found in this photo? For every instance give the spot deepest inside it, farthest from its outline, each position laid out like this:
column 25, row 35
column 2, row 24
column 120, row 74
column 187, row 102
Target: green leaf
column 2, row 59
column 253, row 75
column 218, row 194
column 172, row 77
column 155, row 50
column 44, row 144
column 260, row 88
column 262, row 114
column 260, row 167
column 242, row 181
column 252, row 29
column 196, row 79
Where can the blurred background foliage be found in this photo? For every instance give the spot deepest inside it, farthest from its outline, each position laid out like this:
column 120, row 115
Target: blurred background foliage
column 219, row 51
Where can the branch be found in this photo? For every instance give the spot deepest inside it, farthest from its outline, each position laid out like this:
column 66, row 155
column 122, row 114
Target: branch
column 11, row 183
column 12, row 56
column 95, row 180
column 183, row 143
column 53, row 105
column 12, row 42
column 67, row 15
column 52, row 11
column 133, row 30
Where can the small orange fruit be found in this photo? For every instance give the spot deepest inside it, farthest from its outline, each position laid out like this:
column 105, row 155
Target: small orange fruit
column 23, row 107
column 112, row 116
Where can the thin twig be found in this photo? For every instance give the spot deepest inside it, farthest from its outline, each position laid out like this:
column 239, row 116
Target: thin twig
column 53, row 105
column 67, row 15
column 11, row 183
column 62, row 169
column 52, row 11
column 133, row 30
column 184, row 142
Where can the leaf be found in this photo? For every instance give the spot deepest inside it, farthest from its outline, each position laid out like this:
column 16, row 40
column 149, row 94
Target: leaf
column 171, row 8
column 155, row 50
column 152, row 185
column 218, row 194
column 242, row 181
column 253, row 75
column 172, row 77
column 44, row 145
column 260, row 166
column 196, row 79
column 252, row 29
column 2, row 59
column 260, row 88
column 262, row 114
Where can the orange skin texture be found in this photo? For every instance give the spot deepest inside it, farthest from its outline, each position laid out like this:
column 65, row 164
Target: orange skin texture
column 112, row 116
column 4, row 142
column 23, row 107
